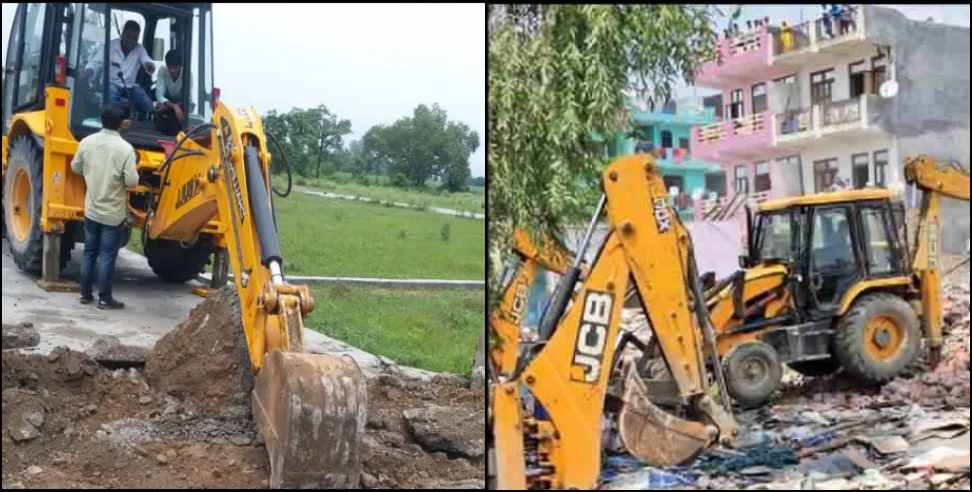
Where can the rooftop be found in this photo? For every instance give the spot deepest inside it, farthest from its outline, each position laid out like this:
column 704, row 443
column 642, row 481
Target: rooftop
column 827, row 198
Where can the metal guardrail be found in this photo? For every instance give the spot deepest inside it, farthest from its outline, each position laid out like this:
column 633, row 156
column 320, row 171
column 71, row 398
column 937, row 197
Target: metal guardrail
column 377, row 282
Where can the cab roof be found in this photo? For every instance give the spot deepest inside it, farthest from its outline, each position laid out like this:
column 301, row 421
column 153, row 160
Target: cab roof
column 826, row 199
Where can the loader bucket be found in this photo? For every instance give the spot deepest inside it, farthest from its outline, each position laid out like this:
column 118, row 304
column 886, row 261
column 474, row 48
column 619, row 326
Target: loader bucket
column 654, row 436
column 311, row 410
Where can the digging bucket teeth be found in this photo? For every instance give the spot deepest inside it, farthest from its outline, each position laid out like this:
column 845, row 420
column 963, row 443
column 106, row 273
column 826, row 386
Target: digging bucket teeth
column 311, row 410
column 655, row 436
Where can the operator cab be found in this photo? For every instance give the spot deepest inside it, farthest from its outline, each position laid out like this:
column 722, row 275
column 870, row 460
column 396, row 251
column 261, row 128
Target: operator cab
column 832, row 242
column 57, row 43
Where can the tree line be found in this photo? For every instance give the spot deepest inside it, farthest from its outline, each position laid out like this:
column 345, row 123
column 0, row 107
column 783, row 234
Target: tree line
column 411, row 152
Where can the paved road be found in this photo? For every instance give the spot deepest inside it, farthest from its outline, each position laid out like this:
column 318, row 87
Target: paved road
column 152, row 309
column 442, row 211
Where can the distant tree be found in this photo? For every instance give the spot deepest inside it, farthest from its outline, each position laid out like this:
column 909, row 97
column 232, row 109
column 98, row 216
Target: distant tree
column 423, row 146
column 312, row 138
column 479, row 182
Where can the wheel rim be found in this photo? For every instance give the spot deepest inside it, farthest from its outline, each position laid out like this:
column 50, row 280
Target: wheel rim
column 20, row 213
column 883, row 338
column 754, row 371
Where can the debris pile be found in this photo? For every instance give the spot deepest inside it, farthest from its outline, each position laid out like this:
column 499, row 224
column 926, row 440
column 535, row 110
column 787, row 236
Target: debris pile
column 949, row 382
column 831, row 433
column 20, row 336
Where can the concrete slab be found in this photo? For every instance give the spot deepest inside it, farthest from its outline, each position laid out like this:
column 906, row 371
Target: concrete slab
column 152, row 309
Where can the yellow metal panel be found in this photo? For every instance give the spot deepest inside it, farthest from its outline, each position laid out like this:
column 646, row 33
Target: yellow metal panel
column 862, row 287
column 554, row 258
column 826, row 199
column 508, row 436
column 569, row 377
column 508, row 316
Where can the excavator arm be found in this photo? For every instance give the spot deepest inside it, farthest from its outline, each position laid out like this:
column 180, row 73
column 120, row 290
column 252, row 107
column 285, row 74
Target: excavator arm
column 935, row 182
column 558, row 445
column 310, row 409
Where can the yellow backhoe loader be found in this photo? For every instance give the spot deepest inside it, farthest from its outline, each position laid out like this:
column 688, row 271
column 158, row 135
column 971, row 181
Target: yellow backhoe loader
column 828, row 283
column 204, row 193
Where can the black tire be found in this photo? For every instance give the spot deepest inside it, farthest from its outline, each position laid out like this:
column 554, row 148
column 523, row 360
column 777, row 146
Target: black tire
column 859, row 356
column 28, row 251
column 175, row 264
column 816, row 368
column 753, row 373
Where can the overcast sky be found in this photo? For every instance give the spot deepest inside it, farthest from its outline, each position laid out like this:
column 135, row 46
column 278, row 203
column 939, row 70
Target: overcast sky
column 371, row 64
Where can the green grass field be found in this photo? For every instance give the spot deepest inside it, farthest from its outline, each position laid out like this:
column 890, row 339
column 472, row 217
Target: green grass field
column 436, row 330
column 330, row 237
column 472, row 201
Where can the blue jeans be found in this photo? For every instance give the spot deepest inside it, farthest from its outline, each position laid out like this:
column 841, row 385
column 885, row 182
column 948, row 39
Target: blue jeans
column 101, row 245
column 135, row 94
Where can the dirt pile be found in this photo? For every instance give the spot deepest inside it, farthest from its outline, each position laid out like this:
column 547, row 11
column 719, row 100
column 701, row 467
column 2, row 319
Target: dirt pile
column 203, row 361
column 70, row 423
column 184, row 421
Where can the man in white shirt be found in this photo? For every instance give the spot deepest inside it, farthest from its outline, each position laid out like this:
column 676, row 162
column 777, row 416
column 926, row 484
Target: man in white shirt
column 168, row 91
column 126, row 55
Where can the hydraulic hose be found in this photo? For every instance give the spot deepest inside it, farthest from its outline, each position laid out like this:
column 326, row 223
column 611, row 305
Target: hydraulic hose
column 290, row 177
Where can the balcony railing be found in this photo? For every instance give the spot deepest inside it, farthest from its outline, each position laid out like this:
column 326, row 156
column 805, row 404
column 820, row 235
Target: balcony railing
column 792, row 122
column 746, row 43
column 749, row 125
column 837, row 113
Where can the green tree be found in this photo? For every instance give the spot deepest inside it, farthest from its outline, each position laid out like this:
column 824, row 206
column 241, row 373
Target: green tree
column 312, row 137
column 425, row 145
column 557, row 74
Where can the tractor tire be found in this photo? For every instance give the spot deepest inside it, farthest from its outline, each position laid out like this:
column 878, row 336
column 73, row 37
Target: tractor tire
column 175, row 264
column 878, row 339
column 23, row 196
column 816, row 368
column 753, row 373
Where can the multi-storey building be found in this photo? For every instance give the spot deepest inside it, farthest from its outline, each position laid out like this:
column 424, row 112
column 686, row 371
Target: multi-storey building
column 804, row 108
column 667, row 133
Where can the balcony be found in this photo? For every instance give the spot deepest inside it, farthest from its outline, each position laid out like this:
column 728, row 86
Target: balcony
column 742, row 138
column 815, row 42
column 743, row 57
column 849, row 119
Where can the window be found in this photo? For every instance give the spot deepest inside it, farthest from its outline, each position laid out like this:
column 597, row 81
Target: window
column 789, row 79
column 10, row 85
column 762, row 182
column 861, row 171
column 666, row 137
column 824, row 174
column 880, row 71
column 683, row 143
column 716, row 183
column 857, row 72
column 881, row 168
column 736, row 104
column 742, row 179
column 778, row 237
column 834, row 264
column 28, row 80
column 674, row 182
column 821, row 87
column 880, row 253
column 759, row 98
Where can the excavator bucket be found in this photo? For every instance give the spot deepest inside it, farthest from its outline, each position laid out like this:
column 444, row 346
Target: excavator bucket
column 654, row 436
column 311, row 410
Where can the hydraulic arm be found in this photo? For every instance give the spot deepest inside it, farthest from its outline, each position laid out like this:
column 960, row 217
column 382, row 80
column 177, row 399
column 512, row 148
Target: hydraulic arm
column 558, row 445
column 935, row 182
column 310, row 408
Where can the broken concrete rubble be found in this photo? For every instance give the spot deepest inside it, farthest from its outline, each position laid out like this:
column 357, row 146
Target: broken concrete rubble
column 20, row 336
column 109, row 351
